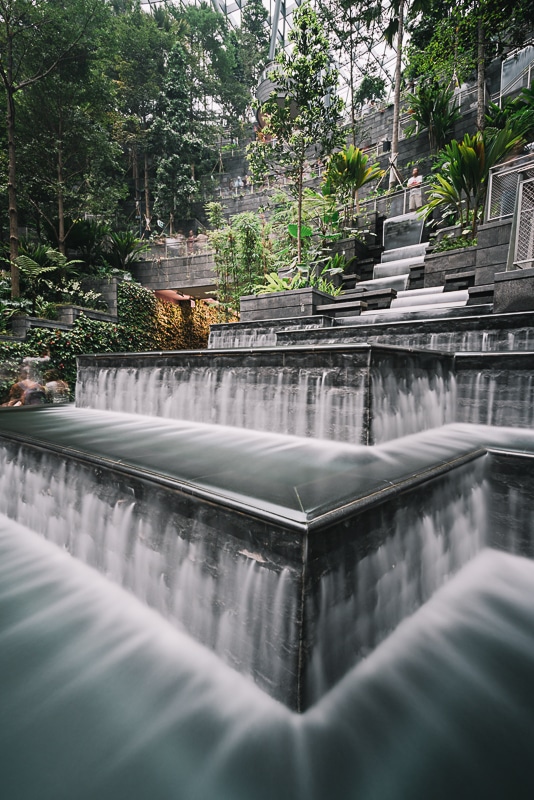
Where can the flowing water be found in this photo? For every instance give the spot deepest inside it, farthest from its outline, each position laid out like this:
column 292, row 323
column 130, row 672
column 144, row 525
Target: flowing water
column 103, row 699
column 213, row 574
column 310, row 402
column 321, row 403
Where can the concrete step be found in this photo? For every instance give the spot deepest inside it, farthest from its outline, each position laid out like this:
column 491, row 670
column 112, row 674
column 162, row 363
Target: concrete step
column 409, row 251
column 398, row 267
column 442, row 298
column 414, row 313
column 336, row 309
column 418, row 292
column 398, row 282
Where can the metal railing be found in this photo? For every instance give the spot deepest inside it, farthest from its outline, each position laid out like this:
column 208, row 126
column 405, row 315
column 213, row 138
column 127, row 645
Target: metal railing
column 503, row 184
column 524, row 232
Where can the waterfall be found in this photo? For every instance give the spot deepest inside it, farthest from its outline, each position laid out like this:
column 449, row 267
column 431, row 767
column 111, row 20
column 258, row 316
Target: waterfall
column 219, row 594
column 423, row 545
column 313, row 402
column 101, row 698
column 414, row 400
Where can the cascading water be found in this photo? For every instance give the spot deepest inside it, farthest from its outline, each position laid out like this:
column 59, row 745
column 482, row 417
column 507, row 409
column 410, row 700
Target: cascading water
column 220, row 596
column 309, row 402
column 101, row 698
column 427, row 543
column 104, row 699
column 502, row 396
column 423, row 399
column 322, row 395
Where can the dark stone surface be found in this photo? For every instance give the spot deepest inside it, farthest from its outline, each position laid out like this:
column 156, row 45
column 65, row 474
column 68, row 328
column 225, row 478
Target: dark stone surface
column 481, row 294
column 514, row 291
column 493, row 234
column 346, row 393
column 459, row 280
column 514, row 331
column 276, row 305
column 260, row 333
column 107, row 287
column 495, row 388
column 20, row 324
column 195, row 272
column 511, row 506
column 346, row 308
column 439, row 265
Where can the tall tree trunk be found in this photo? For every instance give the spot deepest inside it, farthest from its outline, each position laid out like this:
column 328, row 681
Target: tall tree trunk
column 481, row 72
column 396, row 99
column 60, row 201
column 147, row 195
column 12, row 170
column 137, row 193
column 299, row 212
column 351, row 77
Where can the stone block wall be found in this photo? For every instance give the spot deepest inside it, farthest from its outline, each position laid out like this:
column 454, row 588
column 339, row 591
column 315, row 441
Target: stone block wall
column 107, row 287
column 184, row 273
column 514, row 291
column 279, row 305
column 492, row 250
column 486, row 259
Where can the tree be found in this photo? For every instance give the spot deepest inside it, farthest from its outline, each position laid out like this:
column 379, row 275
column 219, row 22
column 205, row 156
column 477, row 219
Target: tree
column 304, row 111
column 449, row 43
column 177, row 139
column 143, row 41
column 351, row 28
column 347, row 172
column 254, row 41
column 69, row 163
column 35, row 37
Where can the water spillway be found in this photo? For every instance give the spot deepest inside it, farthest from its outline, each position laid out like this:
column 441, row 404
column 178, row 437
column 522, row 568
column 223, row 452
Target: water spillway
column 102, row 698
column 266, row 548
column 358, row 394
column 308, row 527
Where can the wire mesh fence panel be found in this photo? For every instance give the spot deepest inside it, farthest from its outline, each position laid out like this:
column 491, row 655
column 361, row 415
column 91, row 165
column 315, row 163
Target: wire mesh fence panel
column 524, row 243
column 503, row 189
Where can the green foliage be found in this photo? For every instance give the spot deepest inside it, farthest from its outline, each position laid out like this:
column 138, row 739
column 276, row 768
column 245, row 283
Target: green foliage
column 136, row 309
column 517, row 114
column 124, row 248
column 34, row 267
column 433, row 108
column 145, row 323
column 87, row 238
column 460, row 183
column 372, row 87
column 303, row 278
column 452, row 242
column 253, row 41
column 177, row 140
column 303, row 111
column 441, row 45
column 347, row 171
column 242, row 257
column 214, row 213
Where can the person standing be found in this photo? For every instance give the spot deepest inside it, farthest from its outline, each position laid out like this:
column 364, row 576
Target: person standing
column 416, row 194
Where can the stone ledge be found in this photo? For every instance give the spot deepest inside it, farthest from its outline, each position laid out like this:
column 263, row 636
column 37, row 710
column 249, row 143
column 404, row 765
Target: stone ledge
column 514, row 291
